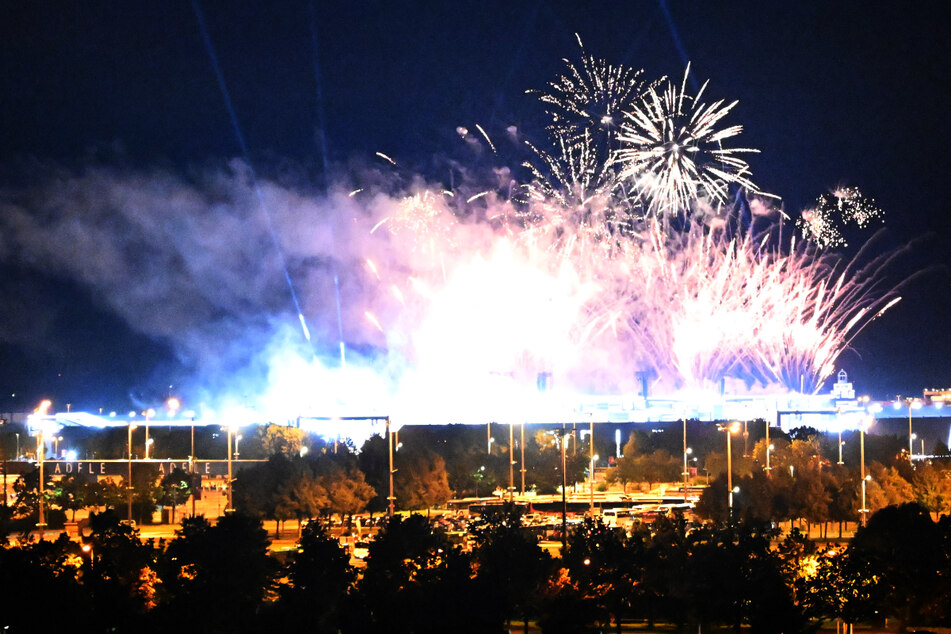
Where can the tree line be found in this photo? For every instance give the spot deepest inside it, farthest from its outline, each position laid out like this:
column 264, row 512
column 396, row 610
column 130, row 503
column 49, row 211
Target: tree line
column 220, row 577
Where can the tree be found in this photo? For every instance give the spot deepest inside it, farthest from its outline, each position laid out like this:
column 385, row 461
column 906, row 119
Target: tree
column 281, row 439
column 932, row 488
column 175, row 488
column 810, row 498
column 301, row 497
column 319, row 580
column 894, row 488
column 658, row 466
column 373, row 461
column 347, row 491
column 511, row 565
column 208, row 583
column 34, row 574
column 625, row 470
column 421, row 480
column 734, row 576
column 602, row 566
column 907, row 560
column 124, row 585
column 416, row 581
column 256, row 489
column 74, row 492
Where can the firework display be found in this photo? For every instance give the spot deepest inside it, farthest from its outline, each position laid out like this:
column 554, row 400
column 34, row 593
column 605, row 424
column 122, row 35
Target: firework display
column 620, row 250
column 625, row 256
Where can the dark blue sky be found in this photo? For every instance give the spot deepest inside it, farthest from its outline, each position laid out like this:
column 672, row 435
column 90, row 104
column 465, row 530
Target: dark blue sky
column 851, row 93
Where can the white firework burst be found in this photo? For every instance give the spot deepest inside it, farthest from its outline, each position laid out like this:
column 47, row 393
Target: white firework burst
column 672, row 150
column 591, row 98
column 826, row 223
column 817, row 225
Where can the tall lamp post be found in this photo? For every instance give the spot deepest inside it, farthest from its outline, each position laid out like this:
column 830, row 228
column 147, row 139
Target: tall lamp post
column 42, row 410
column 129, row 473
column 564, row 499
column 149, row 413
column 391, row 498
column 769, row 448
column 591, row 468
column 686, row 450
column 866, row 423
column 192, row 465
column 230, row 508
column 521, row 447
column 511, row 462
column 730, row 429
column 913, row 403
column 40, row 455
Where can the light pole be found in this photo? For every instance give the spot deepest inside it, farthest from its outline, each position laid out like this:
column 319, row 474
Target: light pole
column 866, row 422
column 521, row 447
column 912, row 403
column 230, row 508
column 237, row 443
column 488, row 438
column 591, row 469
column 40, row 455
column 511, row 462
column 730, row 429
column 129, row 474
column 685, row 473
column 192, row 465
column 564, row 499
column 769, row 448
column 149, row 413
column 42, row 411
column 392, row 499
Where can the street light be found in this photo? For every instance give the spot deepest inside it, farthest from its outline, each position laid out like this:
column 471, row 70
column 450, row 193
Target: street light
column 40, row 451
column 593, row 458
column 865, row 424
column 564, row 499
column 391, row 498
column 511, row 462
column 730, row 429
column 237, row 442
column 912, row 403
column 686, row 451
column 149, row 413
column 42, row 410
column 129, row 475
column 521, row 447
column 230, row 509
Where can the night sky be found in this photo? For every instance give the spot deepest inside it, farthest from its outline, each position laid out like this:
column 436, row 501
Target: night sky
column 853, row 93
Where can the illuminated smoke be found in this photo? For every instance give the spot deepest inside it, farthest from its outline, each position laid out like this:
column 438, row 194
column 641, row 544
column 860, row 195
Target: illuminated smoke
column 621, row 257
